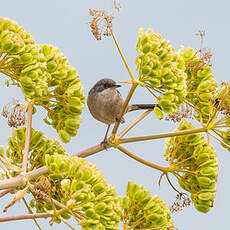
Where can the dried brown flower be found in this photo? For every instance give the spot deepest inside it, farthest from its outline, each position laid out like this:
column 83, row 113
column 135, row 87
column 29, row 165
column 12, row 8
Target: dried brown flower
column 41, row 190
column 15, row 112
column 183, row 112
column 222, row 103
column 116, row 6
column 101, row 23
column 182, row 200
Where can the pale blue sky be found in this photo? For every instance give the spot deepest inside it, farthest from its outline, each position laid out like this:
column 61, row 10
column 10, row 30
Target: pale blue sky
column 65, row 25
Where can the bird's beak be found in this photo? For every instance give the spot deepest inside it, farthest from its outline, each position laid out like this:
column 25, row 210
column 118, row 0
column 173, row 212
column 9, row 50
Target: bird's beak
column 117, row 86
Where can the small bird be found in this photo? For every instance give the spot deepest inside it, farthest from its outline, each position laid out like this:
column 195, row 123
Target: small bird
column 105, row 103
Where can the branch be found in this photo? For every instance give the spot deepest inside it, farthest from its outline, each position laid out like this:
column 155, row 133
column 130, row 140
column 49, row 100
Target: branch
column 163, row 135
column 152, row 165
column 6, row 191
column 21, row 180
column 90, row 151
column 28, row 134
column 26, row 216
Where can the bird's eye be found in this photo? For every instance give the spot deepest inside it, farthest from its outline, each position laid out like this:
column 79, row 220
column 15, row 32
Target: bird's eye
column 107, row 85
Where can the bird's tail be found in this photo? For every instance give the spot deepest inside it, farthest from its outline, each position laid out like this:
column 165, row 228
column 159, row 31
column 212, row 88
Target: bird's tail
column 134, row 107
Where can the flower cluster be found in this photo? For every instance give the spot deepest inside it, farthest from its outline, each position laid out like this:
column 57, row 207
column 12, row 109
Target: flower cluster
column 194, row 162
column 84, row 191
column 13, row 38
column 45, row 76
column 201, row 85
column 222, row 103
column 142, row 211
column 225, row 134
column 162, row 69
column 40, row 146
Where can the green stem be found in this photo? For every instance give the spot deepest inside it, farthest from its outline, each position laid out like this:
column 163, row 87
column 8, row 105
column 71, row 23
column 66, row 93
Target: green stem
column 122, row 56
column 225, row 144
column 115, row 128
column 131, row 90
column 171, row 183
column 222, row 126
column 3, row 59
column 31, row 212
column 13, row 76
column 152, row 165
column 163, row 135
column 141, row 117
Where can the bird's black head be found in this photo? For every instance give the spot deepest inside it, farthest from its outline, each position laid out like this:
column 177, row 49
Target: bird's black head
column 105, row 83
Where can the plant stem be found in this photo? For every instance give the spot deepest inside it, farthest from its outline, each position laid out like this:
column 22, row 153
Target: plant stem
column 6, row 191
column 90, row 151
column 163, row 135
column 31, row 212
column 67, row 224
column 28, row 134
column 26, row 216
column 115, row 128
column 22, row 179
column 3, row 59
column 12, row 75
column 152, row 165
column 225, row 144
column 142, row 116
column 122, row 56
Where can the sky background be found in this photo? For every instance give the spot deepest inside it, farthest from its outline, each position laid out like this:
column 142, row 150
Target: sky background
column 65, row 24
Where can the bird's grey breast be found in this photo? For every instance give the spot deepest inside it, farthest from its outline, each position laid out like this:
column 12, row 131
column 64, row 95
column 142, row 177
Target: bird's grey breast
column 106, row 105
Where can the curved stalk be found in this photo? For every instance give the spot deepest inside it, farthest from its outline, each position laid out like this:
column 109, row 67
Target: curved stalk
column 139, row 159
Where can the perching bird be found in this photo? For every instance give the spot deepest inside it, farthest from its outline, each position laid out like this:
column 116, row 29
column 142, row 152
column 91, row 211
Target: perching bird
column 105, row 102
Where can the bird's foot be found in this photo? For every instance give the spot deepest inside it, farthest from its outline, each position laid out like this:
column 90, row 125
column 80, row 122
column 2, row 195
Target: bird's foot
column 105, row 144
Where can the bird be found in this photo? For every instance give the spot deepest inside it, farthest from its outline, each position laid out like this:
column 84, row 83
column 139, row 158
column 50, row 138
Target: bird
column 105, row 103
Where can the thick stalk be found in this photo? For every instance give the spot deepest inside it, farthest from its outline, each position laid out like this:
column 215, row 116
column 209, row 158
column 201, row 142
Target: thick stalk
column 26, row 216
column 90, row 151
column 28, row 134
column 22, row 179
column 4, row 192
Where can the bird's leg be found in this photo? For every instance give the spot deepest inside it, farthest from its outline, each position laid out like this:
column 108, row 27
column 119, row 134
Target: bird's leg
column 104, row 142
